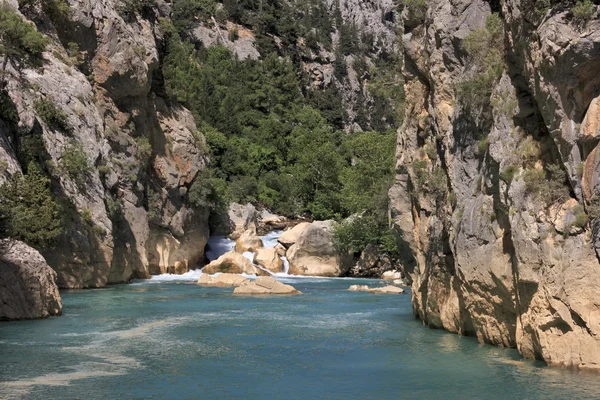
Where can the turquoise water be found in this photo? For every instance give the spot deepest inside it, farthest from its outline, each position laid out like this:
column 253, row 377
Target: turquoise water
column 174, row 340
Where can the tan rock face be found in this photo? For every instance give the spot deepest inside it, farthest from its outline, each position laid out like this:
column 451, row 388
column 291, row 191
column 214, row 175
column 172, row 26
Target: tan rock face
column 313, row 253
column 491, row 258
column 248, row 241
column 269, row 259
column 223, row 280
column 265, row 286
column 242, row 218
column 292, row 235
column 141, row 218
column 232, row 263
column 27, row 284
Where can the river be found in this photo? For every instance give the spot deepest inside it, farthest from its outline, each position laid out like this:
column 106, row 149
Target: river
column 167, row 338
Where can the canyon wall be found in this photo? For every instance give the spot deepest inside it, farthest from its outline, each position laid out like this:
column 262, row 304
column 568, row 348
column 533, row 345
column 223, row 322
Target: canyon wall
column 120, row 155
column 495, row 197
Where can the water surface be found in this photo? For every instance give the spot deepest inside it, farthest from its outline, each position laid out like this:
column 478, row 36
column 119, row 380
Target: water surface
column 175, row 340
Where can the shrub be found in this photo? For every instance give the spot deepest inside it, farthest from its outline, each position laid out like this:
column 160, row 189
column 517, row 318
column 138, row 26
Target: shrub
column 546, row 191
column 52, row 115
column 485, row 47
column 143, row 150
column 581, row 218
column 28, row 210
column 74, row 162
column 356, row 233
column 417, row 9
column 21, row 45
column 583, row 11
column 234, row 35
column 483, row 146
column 508, row 173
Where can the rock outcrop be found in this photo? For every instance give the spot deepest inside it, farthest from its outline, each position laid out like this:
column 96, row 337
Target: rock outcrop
column 223, row 280
column 269, row 259
column 379, row 290
column 248, row 242
column 265, row 286
column 232, row 263
column 27, row 284
column 291, row 236
column 127, row 214
column 496, row 182
column 242, row 218
column 313, row 253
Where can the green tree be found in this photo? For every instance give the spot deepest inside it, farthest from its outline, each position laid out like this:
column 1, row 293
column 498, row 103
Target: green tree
column 28, row 211
column 21, row 45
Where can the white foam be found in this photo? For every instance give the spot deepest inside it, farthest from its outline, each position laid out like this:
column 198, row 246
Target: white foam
column 190, row 276
column 249, row 255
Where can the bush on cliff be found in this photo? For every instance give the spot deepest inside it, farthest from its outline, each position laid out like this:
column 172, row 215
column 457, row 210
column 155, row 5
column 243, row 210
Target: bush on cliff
column 28, row 211
column 20, row 44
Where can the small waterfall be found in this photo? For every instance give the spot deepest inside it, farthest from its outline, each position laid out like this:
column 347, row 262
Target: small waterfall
column 219, row 245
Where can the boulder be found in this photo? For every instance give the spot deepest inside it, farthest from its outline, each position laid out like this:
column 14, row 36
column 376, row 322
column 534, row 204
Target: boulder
column 313, row 253
column 269, row 259
column 28, row 287
column 359, row 288
column 265, row 285
column 222, row 280
column 399, row 282
column 268, row 222
column 280, row 249
column 291, row 236
column 391, row 275
column 242, row 218
column 248, row 241
column 233, row 263
column 387, row 290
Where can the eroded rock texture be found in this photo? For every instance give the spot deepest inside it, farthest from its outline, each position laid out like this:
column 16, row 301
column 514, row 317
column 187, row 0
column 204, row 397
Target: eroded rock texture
column 27, row 284
column 129, row 216
column 493, row 197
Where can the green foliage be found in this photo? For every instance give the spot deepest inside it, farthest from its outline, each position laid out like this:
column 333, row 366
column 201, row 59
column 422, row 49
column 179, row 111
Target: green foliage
column 483, row 146
column 549, row 190
column 485, row 47
column 143, row 150
column 583, row 11
column 20, row 44
column 74, row 162
column 128, row 9
column 28, row 211
column 356, row 233
column 581, row 218
column 57, row 10
column 367, row 179
column 52, row 115
column 186, row 12
column 417, row 10
column 508, row 173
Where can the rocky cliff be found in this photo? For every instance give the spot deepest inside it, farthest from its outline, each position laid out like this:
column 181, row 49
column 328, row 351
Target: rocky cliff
column 120, row 155
column 497, row 173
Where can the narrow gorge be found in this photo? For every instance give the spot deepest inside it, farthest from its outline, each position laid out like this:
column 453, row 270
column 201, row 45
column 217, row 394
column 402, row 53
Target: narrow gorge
column 165, row 151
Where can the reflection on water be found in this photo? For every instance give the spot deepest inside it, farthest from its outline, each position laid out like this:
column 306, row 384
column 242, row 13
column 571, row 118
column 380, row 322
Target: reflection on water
column 168, row 340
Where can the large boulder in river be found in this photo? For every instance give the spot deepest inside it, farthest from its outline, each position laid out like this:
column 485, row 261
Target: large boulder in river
column 248, row 241
column 291, row 236
column 269, row 259
column 242, row 218
column 233, row 263
column 27, row 284
column 313, row 253
column 265, row 285
column 222, row 280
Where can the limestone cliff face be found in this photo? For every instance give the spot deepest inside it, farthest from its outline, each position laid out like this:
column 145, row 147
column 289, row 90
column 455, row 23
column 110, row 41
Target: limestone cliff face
column 129, row 216
column 493, row 195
